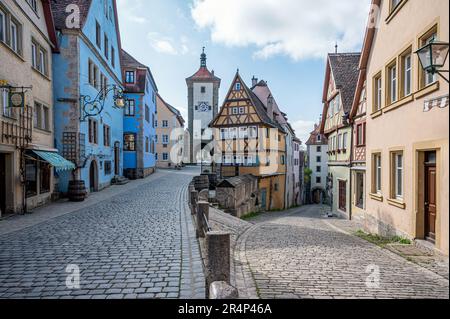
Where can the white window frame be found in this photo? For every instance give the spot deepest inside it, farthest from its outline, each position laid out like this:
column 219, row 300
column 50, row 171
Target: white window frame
column 165, row 139
column 165, row 157
column 34, row 50
column 165, row 123
column 241, row 110
column 378, row 172
column 235, row 111
column 243, row 132
column 14, row 36
column 233, row 133
column 379, row 89
column 253, row 132
column 224, row 133
column 344, row 141
column 3, row 26
column 398, row 175
column 238, row 86
column 407, row 85
column 4, row 100
column 393, row 83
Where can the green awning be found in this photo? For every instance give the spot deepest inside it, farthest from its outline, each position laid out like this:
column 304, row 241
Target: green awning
column 56, row 160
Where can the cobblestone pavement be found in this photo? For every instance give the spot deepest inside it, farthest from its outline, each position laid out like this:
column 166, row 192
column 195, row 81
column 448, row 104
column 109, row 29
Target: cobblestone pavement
column 301, row 254
column 136, row 244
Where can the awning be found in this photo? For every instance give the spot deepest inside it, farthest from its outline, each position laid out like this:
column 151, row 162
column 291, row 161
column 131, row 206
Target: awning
column 56, row 160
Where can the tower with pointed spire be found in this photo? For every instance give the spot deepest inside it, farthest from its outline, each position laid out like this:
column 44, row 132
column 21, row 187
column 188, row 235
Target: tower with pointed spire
column 203, row 104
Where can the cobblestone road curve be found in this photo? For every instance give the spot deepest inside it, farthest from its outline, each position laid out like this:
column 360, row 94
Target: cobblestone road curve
column 138, row 244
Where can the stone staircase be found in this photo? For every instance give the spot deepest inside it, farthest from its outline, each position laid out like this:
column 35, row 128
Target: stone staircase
column 119, row 180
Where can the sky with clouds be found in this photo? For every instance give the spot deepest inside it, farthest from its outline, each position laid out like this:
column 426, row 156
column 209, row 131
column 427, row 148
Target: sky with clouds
column 283, row 42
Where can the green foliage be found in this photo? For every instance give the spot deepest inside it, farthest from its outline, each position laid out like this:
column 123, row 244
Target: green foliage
column 382, row 241
column 250, row 216
column 308, row 172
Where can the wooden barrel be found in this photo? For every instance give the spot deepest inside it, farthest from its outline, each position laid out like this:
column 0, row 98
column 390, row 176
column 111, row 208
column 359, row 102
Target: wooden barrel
column 77, row 191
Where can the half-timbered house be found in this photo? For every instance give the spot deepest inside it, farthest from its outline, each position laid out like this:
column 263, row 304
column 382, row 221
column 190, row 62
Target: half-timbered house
column 340, row 82
column 248, row 140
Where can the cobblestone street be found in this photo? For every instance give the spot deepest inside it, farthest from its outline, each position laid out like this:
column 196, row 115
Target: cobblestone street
column 302, row 254
column 138, row 243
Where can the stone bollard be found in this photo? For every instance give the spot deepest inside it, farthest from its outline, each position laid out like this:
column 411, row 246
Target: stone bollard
column 218, row 254
column 222, row 290
column 203, row 207
column 193, row 201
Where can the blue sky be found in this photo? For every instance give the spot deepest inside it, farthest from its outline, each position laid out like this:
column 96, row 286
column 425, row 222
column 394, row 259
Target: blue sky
column 284, row 42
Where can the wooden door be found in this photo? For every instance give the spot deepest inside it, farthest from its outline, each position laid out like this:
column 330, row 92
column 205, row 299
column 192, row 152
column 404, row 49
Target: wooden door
column 343, row 196
column 116, row 160
column 263, row 198
column 430, row 203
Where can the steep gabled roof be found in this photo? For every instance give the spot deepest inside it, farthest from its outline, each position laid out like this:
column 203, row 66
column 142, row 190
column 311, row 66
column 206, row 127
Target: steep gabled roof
column 172, row 109
column 344, row 67
column 60, row 14
column 313, row 137
column 203, row 74
column 128, row 61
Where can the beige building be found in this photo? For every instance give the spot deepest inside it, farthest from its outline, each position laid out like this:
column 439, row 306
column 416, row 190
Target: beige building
column 170, row 135
column 407, row 143
column 27, row 40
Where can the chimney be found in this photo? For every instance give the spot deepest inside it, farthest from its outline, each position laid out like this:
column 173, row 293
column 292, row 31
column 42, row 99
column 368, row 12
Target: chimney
column 270, row 106
column 212, row 72
column 254, row 81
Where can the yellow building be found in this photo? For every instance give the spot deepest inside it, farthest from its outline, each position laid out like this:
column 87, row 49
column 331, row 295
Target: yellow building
column 407, row 123
column 27, row 153
column 248, row 140
column 170, row 135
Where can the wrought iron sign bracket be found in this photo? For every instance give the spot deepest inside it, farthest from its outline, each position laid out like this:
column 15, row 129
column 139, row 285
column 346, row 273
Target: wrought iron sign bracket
column 91, row 107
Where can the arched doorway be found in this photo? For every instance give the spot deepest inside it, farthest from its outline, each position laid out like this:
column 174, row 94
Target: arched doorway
column 318, row 196
column 93, row 177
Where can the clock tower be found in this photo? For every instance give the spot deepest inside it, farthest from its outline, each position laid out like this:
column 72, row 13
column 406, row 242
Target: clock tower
column 203, row 104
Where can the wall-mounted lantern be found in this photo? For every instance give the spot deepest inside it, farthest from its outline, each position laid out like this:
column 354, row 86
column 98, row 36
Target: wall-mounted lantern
column 433, row 56
column 93, row 107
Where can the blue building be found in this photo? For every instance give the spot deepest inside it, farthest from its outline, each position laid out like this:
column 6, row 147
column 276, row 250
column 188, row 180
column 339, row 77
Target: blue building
column 88, row 67
column 139, row 118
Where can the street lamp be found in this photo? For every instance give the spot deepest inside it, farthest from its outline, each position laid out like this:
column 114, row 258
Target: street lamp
column 91, row 107
column 432, row 56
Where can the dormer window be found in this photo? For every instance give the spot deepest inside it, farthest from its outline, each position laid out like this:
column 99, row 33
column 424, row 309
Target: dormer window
column 129, row 77
column 319, row 138
column 394, row 4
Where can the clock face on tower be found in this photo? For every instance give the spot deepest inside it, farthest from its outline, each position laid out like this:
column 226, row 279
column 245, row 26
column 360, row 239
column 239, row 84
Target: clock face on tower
column 203, row 107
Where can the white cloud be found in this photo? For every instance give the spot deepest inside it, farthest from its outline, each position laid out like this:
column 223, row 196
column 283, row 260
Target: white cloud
column 167, row 45
column 303, row 129
column 297, row 28
column 129, row 10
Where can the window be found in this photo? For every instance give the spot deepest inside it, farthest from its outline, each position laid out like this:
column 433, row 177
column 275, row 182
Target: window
column 129, row 77
column 130, row 108
column 156, row 156
column 34, row 55
column 147, row 145
column 91, row 72
column 165, row 156
column 96, row 77
column 344, row 141
column 253, row 132
column 361, row 134
column 378, row 89
column 223, row 133
column 428, row 78
column 108, row 169
column 156, row 123
column 106, row 135
column 42, row 67
column 33, row 4
column 113, row 56
column 319, row 149
column 238, row 87
column 318, row 180
column 318, row 169
column 319, row 159
column 98, row 34
column 397, row 175
column 241, row 110
column 165, row 123
column 4, row 103
column 392, row 83
column 267, row 132
column 165, row 139
column 233, row 133
column 41, row 117
column 243, row 132
column 129, row 142
column 2, row 26
column 339, row 141
column 283, row 160
column 44, row 177
column 147, row 113
column 376, row 173
column 235, row 110
column 319, row 138
column 203, row 89
column 152, row 147
column 106, row 47
column 14, row 36
column 406, row 74
column 156, row 139
column 93, row 131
